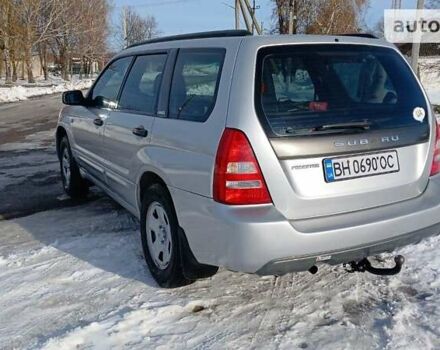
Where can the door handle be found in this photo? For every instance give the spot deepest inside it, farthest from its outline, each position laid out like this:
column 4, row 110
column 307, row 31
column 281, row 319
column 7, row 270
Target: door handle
column 98, row 122
column 140, row 131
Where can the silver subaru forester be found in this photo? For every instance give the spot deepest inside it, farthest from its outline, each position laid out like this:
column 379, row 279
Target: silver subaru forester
column 261, row 154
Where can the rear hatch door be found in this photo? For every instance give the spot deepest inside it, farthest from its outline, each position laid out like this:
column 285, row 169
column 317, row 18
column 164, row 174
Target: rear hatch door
column 349, row 124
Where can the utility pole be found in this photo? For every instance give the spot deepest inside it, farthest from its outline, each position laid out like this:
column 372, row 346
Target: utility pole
column 124, row 26
column 237, row 14
column 252, row 12
column 396, row 4
column 245, row 16
column 415, row 53
column 291, row 14
column 254, row 7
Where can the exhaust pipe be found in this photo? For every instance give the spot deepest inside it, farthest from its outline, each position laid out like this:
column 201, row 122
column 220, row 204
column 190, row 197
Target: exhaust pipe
column 313, row 270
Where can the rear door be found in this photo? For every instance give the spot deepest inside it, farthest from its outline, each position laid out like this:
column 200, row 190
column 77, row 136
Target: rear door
column 184, row 142
column 87, row 124
column 349, row 125
column 129, row 127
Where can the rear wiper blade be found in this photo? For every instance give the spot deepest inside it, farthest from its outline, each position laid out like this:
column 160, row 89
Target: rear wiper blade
column 363, row 125
column 183, row 105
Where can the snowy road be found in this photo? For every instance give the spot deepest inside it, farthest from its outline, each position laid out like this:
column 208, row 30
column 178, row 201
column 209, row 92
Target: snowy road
column 72, row 277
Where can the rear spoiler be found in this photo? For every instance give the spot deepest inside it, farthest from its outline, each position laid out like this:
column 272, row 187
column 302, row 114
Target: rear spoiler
column 360, row 35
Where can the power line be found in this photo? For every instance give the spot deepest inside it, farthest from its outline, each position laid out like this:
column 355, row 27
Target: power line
column 415, row 50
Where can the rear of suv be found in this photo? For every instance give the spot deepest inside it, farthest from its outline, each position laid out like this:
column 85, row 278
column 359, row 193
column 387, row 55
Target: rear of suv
column 265, row 155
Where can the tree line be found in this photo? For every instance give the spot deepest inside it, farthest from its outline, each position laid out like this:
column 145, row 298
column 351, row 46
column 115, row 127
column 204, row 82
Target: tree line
column 319, row 16
column 62, row 29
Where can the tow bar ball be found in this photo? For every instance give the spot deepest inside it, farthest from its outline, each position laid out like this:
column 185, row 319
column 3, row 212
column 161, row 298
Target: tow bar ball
column 364, row 265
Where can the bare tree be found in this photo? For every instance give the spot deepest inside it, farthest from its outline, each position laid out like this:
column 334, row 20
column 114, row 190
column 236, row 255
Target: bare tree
column 136, row 28
column 304, row 14
column 92, row 42
column 36, row 20
column 6, row 27
column 339, row 16
column 81, row 33
column 63, row 28
column 379, row 28
column 319, row 16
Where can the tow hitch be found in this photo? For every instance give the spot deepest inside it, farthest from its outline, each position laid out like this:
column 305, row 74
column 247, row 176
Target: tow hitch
column 364, row 265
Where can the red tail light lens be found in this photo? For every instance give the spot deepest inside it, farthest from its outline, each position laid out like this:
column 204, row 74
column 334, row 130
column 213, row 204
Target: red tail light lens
column 435, row 169
column 237, row 176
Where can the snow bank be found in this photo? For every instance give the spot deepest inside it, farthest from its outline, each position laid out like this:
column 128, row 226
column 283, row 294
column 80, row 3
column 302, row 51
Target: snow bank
column 23, row 92
column 430, row 77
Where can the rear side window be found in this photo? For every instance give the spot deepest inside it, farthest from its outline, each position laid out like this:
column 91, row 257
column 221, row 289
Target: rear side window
column 142, row 86
column 303, row 89
column 195, row 83
column 106, row 90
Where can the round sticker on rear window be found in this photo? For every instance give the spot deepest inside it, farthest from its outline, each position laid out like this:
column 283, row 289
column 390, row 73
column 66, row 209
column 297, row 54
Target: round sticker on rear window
column 419, row 114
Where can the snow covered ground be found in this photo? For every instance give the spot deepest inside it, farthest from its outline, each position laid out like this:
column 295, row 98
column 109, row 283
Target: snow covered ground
column 430, row 77
column 73, row 277
column 22, row 91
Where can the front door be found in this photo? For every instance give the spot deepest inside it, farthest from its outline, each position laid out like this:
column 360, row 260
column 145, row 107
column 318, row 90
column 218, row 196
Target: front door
column 87, row 122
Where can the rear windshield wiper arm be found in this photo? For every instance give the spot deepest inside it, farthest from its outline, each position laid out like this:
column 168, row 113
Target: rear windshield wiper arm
column 184, row 104
column 363, row 125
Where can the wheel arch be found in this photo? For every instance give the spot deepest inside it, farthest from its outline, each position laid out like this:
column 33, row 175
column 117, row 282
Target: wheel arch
column 147, row 179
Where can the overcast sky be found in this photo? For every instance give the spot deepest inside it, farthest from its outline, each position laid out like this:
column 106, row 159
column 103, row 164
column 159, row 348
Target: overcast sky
column 185, row 16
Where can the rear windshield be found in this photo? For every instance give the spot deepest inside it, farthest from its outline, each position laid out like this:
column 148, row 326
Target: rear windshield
column 321, row 89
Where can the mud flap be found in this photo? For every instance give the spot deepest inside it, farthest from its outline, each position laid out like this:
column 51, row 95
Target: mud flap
column 192, row 269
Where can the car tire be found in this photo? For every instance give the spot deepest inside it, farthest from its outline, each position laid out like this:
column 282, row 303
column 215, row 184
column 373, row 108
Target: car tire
column 73, row 183
column 160, row 239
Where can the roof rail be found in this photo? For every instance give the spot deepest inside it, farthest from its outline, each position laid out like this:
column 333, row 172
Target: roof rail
column 360, row 35
column 200, row 35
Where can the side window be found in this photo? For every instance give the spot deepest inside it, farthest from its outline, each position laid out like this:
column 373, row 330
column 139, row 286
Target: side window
column 105, row 92
column 297, row 86
column 287, row 84
column 195, row 83
column 142, row 86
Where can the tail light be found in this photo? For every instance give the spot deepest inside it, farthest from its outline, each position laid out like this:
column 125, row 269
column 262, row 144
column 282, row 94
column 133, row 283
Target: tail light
column 237, row 176
column 435, row 168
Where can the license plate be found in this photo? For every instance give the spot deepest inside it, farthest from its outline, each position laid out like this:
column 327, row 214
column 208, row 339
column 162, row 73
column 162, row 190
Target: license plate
column 345, row 168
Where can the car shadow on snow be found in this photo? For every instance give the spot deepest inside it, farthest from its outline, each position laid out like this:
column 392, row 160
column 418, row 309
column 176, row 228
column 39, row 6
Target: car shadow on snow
column 30, row 182
column 97, row 231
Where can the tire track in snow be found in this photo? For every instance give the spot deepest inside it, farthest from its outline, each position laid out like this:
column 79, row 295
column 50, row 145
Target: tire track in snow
column 256, row 338
column 282, row 327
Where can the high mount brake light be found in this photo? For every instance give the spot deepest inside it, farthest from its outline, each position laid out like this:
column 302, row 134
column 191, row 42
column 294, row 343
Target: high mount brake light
column 238, row 179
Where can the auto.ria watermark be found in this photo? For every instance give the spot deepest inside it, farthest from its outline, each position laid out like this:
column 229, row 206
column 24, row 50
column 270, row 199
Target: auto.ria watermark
column 412, row 26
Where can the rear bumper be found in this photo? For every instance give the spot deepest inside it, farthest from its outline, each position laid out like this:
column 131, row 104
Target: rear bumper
column 258, row 239
column 304, row 263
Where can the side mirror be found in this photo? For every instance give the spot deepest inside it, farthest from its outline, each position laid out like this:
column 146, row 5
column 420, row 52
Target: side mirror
column 74, row 98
